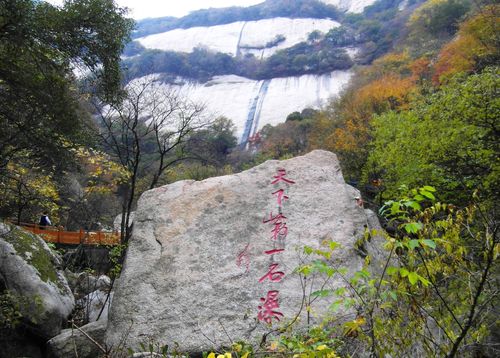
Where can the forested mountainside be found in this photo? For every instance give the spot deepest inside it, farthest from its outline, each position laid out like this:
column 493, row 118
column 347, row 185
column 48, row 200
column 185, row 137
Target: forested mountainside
column 310, row 41
column 298, row 59
column 425, row 112
column 421, row 124
column 266, row 10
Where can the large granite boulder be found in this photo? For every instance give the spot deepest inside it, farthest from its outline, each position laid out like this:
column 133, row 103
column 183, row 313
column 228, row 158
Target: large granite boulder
column 31, row 271
column 213, row 261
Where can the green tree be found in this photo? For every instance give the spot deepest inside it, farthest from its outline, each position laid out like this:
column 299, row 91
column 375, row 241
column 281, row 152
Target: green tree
column 442, row 273
column 434, row 23
column 339, row 36
column 433, row 293
column 285, row 139
column 314, row 36
column 212, row 144
column 450, row 139
column 89, row 197
column 438, row 17
column 27, row 191
column 40, row 45
column 294, row 116
column 146, row 134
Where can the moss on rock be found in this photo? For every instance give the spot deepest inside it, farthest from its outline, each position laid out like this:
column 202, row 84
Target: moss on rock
column 34, row 251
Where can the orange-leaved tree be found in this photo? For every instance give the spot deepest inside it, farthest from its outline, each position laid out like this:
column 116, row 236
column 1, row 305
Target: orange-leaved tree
column 476, row 45
column 345, row 128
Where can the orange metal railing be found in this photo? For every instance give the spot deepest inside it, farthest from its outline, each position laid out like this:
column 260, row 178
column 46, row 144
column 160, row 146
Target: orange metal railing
column 57, row 235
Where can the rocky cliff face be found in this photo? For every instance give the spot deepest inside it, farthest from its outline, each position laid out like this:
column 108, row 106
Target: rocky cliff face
column 215, row 259
column 354, row 6
column 29, row 269
column 240, row 38
column 253, row 104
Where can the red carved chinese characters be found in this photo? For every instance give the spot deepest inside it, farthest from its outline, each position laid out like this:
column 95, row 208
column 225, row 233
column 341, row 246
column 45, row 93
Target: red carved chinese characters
column 267, row 308
column 281, row 177
column 244, row 258
column 273, row 251
column 274, row 219
column 272, row 274
column 280, row 229
column 280, row 194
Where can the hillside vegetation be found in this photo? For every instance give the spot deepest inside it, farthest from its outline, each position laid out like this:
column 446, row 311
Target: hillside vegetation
column 374, row 32
column 212, row 17
column 421, row 124
column 425, row 112
column 417, row 131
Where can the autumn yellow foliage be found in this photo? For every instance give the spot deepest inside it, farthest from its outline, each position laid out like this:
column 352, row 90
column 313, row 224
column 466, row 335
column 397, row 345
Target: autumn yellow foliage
column 477, row 39
column 27, row 190
column 391, row 64
column 388, row 92
column 104, row 175
column 346, row 130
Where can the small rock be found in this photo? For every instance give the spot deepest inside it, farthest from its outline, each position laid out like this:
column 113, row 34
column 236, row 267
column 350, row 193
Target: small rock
column 103, row 283
column 86, row 283
column 73, row 343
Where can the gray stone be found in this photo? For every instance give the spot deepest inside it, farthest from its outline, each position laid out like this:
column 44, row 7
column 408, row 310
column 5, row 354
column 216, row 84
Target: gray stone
column 103, row 283
column 31, row 271
column 72, row 278
column 118, row 221
column 374, row 244
column 182, row 281
column 93, row 303
column 73, row 343
column 86, row 283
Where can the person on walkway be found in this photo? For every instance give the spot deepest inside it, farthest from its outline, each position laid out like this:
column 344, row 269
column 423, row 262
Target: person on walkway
column 44, row 221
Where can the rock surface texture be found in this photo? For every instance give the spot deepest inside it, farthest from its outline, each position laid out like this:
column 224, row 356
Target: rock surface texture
column 239, row 38
column 200, row 269
column 255, row 103
column 30, row 271
column 92, row 305
column 74, row 343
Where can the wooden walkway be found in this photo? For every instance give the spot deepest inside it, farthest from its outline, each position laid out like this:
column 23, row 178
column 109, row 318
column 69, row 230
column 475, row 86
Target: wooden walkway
column 57, row 235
